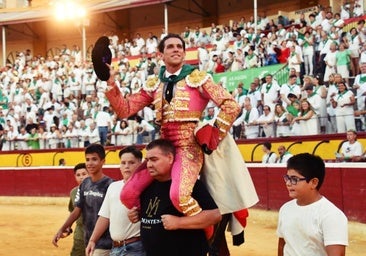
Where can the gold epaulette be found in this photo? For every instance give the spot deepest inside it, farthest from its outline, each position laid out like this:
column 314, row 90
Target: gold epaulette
column 197, row 78
column 152, row 83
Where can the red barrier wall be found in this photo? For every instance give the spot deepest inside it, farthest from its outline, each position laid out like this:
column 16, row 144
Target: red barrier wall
column 344, row 184
column 45, row 181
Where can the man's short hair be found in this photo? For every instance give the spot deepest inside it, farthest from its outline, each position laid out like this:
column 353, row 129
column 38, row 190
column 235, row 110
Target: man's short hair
column 133, row 150
column 353, row 131
column 163, row 144
column 267, row 145
column 162, row 42
column 309, row 166
column 96, row 148
column 293, row 76
column 79, row 166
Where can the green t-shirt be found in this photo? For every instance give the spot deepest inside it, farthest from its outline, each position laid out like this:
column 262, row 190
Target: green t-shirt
column 33, row 143
column 79, row 229
column 343, row 57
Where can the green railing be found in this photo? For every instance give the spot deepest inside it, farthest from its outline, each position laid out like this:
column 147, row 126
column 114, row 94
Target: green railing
column 281, row 75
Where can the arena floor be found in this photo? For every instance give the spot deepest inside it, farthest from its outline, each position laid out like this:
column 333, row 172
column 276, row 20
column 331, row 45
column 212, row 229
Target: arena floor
column 28, row 224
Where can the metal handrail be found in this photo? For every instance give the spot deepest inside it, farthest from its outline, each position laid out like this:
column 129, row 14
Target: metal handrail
column 317, row 145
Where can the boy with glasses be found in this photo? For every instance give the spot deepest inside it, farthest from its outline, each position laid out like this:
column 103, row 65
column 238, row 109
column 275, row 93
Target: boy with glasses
column 309, row 224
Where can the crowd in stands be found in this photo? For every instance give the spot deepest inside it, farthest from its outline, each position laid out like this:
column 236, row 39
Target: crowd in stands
column 58, row 102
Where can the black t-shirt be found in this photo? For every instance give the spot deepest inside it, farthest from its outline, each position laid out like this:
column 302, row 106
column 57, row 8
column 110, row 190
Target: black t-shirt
column 155, row 201
column 89, row 198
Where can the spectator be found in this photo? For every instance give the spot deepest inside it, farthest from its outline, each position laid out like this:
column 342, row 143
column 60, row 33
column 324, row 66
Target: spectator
column 239, row 94
column 345, row 11
column 210, row 114
column 270, row 92
column 239, row 60
column 54, row 137
column 343, row 103
column 290, row 87
column 351, row 150
column 103, row 121
column 304, row 178
column 358, row 9
column 294, row 60
column 93, row 134
column 42, row 135
column 291, row 108
column 308, row 52
column 343, row 62
column 114, row 216
column 71, row 137
column 218, row 66
column 21, row 139
column 229, row 60
column 202, row 56
column 248, row 118
column 320, row 90
column 360, row 86
column 265, row 122
column 62, row 162
column 332, row 91
column 126, row 133
column 112, row 135
column 283, row 155
column 307, row 118
column 78, row 246
column 354, row 47
column 282, row 120
column 269, row 156
column 89, row 199
column 251, row 59
column 284, row 52
column 144, row 129
column 10, row 136
column 323, row 48
column 255, row 95
column 83, row 134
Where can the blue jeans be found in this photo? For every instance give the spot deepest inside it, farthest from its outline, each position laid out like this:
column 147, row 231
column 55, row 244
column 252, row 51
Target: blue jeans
column 103, row 132
column 272, row 59
column 140, row 136
column 132, row 249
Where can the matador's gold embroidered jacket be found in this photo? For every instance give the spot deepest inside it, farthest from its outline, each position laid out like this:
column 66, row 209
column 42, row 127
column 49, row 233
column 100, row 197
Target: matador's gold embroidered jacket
column 189, row 101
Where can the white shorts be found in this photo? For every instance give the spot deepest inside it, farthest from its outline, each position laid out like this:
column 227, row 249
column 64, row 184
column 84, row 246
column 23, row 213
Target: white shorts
column 343, row 70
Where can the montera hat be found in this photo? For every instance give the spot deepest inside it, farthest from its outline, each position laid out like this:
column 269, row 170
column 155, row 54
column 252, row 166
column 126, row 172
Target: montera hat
column 101, row 55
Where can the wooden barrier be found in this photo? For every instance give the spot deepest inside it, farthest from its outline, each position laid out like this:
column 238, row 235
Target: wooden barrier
column 344, row 184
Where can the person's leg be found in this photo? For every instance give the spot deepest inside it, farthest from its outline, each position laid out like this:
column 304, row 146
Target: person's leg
column 311, row 64
column 101, row 135
column 153, row 132
column 130, row 194
column 341, row 127
column 187, row 165
column 333, row 122
column 101, row 252
column 349, row 121
column 218, row 243
column 306, row 64
column 117, row 251
column 139, row 139
column 356, row 65
column 237, row 131
column 133, row 249
column 78, row 247
column 186, row 168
